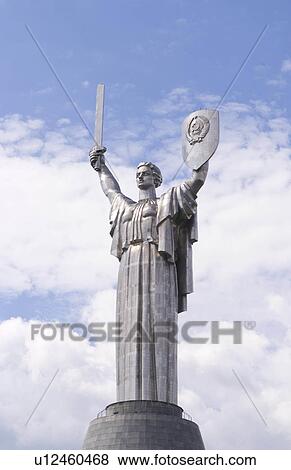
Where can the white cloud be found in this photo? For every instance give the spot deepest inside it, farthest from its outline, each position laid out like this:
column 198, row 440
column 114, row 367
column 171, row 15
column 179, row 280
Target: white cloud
column 209, row 390
column 286, row 65
column 42, row 91
column 182, row 21
column 85, row 83
column 63, row 122
column 176, row 101
column 217, row 401
column 13, row 128
column 262, row 108
column 279, row 82
column 79, row 391
column 208, row 98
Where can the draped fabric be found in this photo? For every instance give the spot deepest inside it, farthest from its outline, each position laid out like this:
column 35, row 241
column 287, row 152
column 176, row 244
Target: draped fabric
column 152, row 239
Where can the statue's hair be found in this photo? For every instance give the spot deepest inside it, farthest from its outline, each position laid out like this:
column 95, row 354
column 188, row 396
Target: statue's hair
column 158, row 179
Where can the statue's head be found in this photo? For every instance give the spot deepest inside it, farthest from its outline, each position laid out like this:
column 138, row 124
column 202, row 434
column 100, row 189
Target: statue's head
column 147, row 175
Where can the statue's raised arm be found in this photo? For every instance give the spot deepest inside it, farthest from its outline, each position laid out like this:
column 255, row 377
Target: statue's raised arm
column 198, row 178
column 109, row 184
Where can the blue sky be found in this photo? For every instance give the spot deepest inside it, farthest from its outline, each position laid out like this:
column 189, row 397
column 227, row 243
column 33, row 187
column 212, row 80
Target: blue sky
column 147, row 48
column 160, row 60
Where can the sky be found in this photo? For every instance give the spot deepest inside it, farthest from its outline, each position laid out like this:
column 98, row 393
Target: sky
column 160, row 60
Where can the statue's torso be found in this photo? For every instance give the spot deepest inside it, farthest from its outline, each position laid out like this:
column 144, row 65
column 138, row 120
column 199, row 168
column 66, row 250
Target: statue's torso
column 139, row 223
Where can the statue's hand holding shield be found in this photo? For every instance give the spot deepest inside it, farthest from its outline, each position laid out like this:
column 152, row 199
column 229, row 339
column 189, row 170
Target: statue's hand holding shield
column 200, row 137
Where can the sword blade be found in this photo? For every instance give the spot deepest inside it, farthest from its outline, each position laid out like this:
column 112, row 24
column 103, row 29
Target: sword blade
column 99, row 114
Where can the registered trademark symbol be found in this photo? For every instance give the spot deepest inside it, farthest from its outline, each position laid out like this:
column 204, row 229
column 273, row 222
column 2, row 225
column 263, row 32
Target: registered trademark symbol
column 249, row 325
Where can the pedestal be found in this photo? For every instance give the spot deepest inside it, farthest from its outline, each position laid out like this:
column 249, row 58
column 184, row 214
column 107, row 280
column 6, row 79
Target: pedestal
column 142, row 424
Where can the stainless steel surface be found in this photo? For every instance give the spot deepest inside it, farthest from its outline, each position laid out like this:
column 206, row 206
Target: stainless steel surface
column 200, row 137
column 99, row 114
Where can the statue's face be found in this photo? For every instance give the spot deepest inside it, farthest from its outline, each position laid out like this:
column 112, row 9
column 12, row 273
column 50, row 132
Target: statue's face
column 144, row 177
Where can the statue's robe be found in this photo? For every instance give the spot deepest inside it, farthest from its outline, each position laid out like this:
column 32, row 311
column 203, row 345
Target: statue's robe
column 152, row 239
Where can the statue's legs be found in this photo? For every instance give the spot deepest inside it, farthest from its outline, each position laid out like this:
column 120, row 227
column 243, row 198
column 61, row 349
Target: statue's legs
column 146, row 309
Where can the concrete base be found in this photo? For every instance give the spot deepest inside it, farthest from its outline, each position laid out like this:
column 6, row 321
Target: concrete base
column 142, row 424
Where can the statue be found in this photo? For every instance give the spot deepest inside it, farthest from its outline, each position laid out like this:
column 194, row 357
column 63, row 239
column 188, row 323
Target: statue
column 152, row 239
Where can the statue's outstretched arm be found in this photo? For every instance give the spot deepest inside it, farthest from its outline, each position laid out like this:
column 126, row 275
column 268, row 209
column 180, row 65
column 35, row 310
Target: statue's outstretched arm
column 198, row 178
column 109, row 184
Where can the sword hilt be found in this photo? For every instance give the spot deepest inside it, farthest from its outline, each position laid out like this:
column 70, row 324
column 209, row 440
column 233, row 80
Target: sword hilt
column 97, row 157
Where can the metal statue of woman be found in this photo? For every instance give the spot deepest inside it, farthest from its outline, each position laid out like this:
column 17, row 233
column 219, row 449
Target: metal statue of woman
column 152, row 239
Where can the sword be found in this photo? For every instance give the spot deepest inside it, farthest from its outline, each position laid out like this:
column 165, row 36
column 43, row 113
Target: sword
column 99, row 121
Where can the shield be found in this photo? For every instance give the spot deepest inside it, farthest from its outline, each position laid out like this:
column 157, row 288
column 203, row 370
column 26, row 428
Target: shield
column 200, row 137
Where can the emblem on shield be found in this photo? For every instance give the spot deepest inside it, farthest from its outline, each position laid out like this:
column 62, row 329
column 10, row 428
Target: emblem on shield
column 200, row 137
